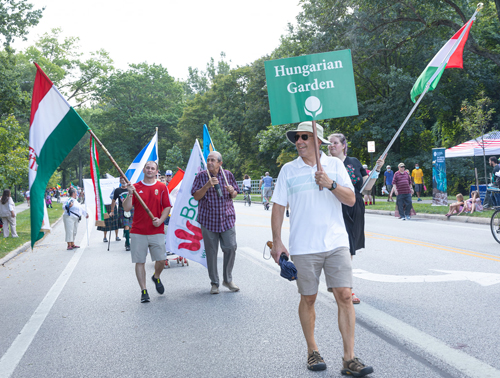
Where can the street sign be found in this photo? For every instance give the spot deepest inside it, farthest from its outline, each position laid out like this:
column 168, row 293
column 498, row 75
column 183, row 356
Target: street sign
column 371, row 146
column 311, row 87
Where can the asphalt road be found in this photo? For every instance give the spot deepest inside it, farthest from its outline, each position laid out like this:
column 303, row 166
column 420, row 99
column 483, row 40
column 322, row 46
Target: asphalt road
column 429, row 308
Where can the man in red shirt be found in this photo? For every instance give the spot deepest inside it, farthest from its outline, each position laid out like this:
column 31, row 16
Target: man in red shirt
column 146, row 233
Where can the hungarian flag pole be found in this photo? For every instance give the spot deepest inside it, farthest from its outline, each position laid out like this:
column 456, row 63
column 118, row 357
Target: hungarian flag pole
column 55, row 128
column 141, row 201
column 450, row 56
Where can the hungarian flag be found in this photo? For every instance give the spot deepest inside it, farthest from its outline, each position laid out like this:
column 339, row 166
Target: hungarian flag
column 55, row 128
column 100, row 213
column 450, row 56
column 174, row 185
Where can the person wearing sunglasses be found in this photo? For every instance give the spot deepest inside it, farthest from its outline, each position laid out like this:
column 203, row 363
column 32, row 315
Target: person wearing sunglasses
column 318, row 238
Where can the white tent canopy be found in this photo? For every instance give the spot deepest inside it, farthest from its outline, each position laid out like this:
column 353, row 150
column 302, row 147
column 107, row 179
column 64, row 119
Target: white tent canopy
column 474, row 147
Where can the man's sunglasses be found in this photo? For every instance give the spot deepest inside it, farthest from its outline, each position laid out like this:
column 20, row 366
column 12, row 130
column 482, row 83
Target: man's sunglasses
column 303, row 136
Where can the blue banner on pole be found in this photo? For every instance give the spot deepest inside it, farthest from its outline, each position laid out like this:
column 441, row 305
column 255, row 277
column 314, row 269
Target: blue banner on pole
column 439, row 184
column 208, row 146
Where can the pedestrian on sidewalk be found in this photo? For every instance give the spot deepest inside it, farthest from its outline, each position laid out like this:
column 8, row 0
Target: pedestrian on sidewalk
column 403, row 187
column 123, row 221
column 73, row 212
column 389, row 175
column 217, row 217
column 27, row 195
column 417, row 177
column 8, row 214
column 146, row 233
column 318, row 239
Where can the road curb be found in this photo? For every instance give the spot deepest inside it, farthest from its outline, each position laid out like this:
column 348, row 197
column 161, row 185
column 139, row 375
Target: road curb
column 24, row 247
column 436, row 217
column 441, row 217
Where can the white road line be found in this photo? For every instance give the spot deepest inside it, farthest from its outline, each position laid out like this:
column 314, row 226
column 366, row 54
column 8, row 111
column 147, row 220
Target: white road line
column 457, row 359
column 16, row 351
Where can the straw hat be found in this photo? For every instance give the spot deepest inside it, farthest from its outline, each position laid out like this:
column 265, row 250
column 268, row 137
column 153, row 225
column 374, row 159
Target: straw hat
column 307, row 126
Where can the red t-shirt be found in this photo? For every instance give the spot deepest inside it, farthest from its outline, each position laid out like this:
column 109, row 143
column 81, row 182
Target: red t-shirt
column 156, row 198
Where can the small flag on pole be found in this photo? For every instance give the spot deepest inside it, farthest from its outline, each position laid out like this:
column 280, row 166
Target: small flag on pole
column 451, row 54
column 208, row 146
column 149, row 153
column 100, row 214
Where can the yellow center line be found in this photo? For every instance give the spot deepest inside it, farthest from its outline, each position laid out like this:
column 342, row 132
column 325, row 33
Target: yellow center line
column 460, row 251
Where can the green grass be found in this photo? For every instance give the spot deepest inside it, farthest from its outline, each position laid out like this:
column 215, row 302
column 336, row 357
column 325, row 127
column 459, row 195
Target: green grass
column 382, row 204
column 23, row 228
column 425, row 208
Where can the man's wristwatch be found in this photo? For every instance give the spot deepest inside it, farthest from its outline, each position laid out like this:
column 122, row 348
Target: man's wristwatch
column 334, row 185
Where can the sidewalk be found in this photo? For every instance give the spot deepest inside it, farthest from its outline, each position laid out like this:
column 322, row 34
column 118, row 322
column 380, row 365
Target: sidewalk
column 22, row 207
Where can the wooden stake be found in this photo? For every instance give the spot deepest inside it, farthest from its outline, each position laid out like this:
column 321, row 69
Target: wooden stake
column 316, row 150
column 122, row 174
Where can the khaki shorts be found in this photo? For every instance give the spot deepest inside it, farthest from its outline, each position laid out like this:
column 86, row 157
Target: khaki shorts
column 336, row 264
column 139, row 245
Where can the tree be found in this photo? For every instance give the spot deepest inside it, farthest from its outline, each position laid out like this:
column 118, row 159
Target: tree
column 239, row 102
column 201, row 81
column 13, row 153
column 131, row 104
column 224, row 143
column 60, row 59
column 477, row 121
column 13, row 100
column 16, row 17
column 174, row 159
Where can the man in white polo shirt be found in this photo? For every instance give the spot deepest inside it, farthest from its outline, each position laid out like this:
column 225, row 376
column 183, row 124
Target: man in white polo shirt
column 318, row 239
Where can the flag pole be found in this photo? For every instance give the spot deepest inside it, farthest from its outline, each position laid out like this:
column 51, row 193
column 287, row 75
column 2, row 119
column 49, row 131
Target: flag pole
column 88, row 240
column 143, row 204
column 316, row 149
column 427, row 86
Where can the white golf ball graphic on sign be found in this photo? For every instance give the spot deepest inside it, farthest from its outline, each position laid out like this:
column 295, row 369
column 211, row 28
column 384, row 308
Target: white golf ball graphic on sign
column 313, row 106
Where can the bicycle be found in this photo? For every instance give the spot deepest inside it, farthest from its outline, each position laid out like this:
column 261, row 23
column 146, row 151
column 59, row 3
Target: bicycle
column 247, row 197
column 495, row 224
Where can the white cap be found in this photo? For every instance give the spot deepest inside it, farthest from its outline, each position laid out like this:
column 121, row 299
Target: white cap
column 168, row 173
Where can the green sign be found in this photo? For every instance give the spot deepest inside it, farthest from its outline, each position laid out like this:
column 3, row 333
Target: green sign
column 311, row 87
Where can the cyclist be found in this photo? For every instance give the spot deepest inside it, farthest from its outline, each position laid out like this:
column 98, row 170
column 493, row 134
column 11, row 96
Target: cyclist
column 246, row 186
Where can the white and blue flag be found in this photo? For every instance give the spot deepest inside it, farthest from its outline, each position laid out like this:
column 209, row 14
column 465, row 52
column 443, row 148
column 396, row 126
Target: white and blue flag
column 149, row 153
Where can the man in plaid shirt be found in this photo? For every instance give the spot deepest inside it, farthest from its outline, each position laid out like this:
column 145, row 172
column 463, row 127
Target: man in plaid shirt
column 217, row 217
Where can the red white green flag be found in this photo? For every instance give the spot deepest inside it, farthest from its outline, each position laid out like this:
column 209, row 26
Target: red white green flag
column 94, row 173
column 55, row 128
column 451, row 54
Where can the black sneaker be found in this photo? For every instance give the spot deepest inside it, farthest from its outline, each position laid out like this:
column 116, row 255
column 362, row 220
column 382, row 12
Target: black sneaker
column 159, row 286
column 127, row 247
column 315, row 361
column 104, row 240
column 144, row 296
column 287, row 214
column 355, row 367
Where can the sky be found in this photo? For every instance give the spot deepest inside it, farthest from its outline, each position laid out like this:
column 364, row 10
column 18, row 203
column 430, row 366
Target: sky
column 176, row 34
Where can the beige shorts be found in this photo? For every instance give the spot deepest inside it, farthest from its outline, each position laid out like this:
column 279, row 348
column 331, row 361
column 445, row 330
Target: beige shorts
column 139, row 245
column 336, row 264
